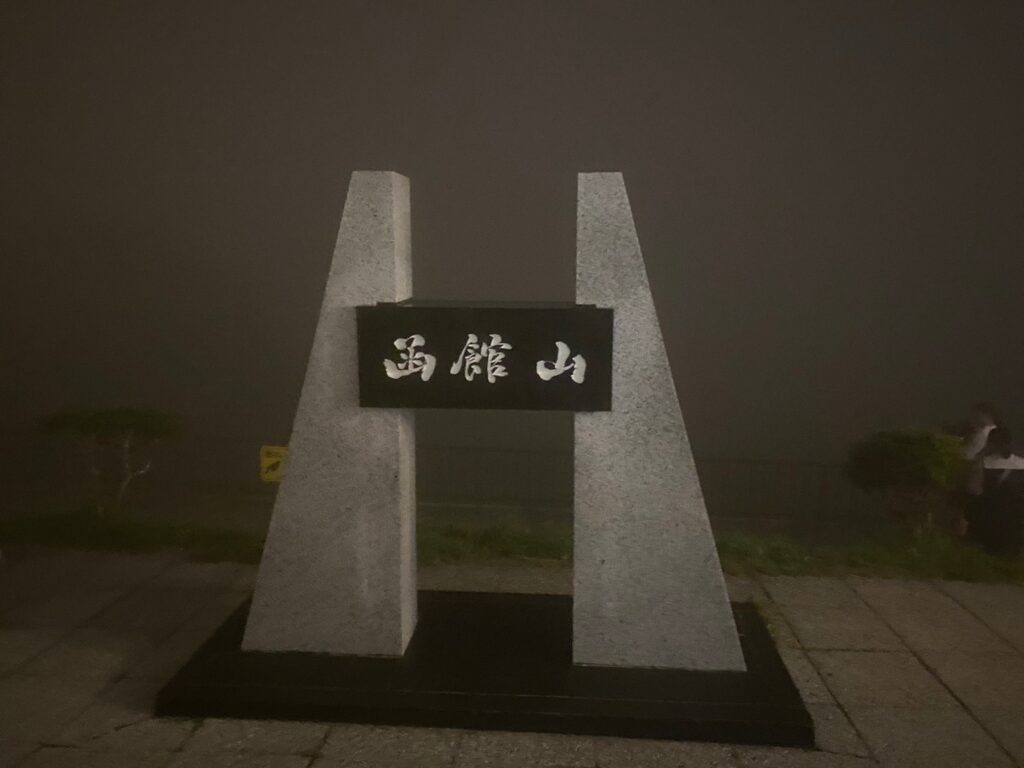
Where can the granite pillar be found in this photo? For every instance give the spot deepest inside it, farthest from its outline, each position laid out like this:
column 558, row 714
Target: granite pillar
column 338, row 573
column 649, row 590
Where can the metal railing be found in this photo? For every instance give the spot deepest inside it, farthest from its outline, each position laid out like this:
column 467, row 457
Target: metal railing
column 764, row 495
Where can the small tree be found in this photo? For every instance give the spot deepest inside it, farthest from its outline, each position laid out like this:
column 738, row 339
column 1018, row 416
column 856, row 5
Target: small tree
column 915, row 471
column 118, row 440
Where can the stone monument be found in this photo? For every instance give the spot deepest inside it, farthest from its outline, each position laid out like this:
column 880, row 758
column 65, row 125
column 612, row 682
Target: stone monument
column 647, row 646
column 648, row 587
column 338, row 573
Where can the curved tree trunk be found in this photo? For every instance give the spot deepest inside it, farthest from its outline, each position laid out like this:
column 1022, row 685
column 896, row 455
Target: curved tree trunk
column 128, row 471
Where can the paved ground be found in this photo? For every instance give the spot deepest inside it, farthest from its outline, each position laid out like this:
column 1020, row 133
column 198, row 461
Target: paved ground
column 897, row 673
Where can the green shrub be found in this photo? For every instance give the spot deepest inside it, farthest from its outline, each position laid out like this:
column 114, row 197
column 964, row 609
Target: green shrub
column 915, row 471
column 906, row 461
column 117, row 444
column 112, row 424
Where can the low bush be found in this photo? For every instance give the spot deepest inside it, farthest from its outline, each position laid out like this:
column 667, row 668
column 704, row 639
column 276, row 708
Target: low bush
column 915, row 471
column 117, row 444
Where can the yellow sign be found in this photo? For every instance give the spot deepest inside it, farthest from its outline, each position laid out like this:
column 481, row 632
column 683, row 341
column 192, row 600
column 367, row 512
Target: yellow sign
column 272, row 461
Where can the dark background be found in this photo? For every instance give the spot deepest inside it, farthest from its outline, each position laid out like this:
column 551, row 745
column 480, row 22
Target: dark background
column 829, row 196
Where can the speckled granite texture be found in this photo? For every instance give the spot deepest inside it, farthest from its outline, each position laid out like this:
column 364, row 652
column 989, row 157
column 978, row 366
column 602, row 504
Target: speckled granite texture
column 338, row 573
column 648, row 585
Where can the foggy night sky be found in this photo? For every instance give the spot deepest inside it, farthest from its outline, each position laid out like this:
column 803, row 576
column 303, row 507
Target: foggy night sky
column 829, row 195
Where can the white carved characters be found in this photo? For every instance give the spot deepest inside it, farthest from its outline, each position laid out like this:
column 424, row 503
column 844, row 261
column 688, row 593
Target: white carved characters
column 578, row 366
column 478, row 358
column 413, row 360
column 492, row 352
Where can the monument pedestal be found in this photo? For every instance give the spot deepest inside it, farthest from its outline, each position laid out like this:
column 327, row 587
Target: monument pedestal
column 502, row 662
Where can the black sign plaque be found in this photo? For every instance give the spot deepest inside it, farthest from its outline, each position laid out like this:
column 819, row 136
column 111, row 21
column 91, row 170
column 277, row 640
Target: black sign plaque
column 528, row 357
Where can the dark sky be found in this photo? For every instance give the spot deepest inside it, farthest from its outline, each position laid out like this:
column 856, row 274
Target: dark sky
column 830, row 195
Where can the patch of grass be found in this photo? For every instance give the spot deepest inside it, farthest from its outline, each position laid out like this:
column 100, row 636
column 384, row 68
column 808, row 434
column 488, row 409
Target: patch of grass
column 451, row 543
column 934, row 557
column 928, row 557
column 123, row 533
column 771, row 555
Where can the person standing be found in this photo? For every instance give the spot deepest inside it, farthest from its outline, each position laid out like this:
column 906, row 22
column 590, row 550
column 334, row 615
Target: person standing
column 983, row 419
column 997, row 521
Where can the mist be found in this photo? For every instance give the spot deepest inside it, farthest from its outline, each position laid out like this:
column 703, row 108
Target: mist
column 828, row 196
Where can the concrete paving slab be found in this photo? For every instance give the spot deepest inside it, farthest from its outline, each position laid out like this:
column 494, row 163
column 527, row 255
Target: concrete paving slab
column 927, row 618
column 237, row 760
column 212, row 612
column 38, row 708
column 1000, row 606
column 152, row 612
column 44, row 574
column 384, row 760
column 928, row 738
column 833, row 731
column 199, row 576
column 880, row 678
column 102, row 570
column 745, row 590
column 64, row 611
column 359, row 746
column 968, row 636
column 995, row 680
column 811, row 591
column 88, row 654
column 115, row 706
column 265, row 736
column 69, row 757
column 778, row 626
column 806, row 678
column 1006, row 725
column 32, row 578
column 28, row 562
column 756, row 757
column 848, row 627
column 19, row 646
column 491, row 749
column 165, row 658
column 116, row 709
column 144, row 736
column 13, row 752
column 630, row 753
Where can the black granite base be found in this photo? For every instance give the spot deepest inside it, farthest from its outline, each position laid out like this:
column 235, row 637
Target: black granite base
column 497, row 662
